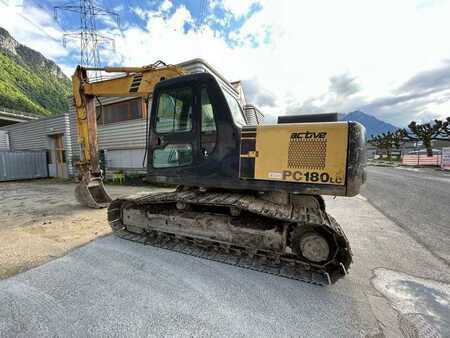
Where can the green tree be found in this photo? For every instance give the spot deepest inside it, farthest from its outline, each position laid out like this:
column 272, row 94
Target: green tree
column 398, row 138
column 385, row 142
column 427, row 132
column 446, row 128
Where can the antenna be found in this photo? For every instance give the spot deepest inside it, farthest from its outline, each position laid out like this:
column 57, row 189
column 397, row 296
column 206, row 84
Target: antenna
column 90, row 39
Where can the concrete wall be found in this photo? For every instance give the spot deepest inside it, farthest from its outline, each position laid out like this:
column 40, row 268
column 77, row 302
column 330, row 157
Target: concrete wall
column 36, row 135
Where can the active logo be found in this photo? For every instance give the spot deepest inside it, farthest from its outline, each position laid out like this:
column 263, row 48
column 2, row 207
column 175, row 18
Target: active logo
column 309, row 135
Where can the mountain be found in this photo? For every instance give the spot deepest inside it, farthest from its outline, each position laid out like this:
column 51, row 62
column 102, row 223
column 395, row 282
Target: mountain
column 30, row 82
column 373, row 125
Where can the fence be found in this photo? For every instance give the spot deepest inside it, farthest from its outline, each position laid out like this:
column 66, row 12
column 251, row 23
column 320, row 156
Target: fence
column 421, row 159
column 20, row 165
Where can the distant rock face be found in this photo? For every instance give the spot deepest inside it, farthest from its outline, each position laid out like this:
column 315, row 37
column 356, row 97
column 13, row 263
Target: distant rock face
column 373, row 125
column 29, row 56
column 29, row 81
column 7, row 43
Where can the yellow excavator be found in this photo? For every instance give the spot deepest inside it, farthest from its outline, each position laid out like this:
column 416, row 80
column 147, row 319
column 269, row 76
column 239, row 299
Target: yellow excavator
column 247, row 195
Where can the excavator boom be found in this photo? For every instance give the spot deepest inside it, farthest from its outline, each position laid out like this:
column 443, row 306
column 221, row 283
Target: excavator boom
column 134, row 81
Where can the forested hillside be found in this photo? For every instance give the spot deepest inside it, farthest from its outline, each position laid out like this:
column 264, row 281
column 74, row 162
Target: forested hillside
column 30, row 82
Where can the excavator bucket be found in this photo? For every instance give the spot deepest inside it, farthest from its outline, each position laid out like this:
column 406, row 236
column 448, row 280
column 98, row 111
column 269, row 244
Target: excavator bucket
column 92, row 194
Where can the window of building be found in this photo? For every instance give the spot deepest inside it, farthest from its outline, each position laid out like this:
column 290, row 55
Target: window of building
column 121, row 111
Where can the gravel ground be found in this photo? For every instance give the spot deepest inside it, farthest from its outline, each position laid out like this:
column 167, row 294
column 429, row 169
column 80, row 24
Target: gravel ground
column 42, row 220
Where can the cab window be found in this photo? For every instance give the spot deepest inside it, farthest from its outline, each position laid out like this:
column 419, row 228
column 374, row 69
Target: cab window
column 174, row 113
column 172, row 155
column 208, row 127
column 208, row 123
column 235, row 108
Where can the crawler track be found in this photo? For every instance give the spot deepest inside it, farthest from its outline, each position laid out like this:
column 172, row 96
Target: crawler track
column 286, row 265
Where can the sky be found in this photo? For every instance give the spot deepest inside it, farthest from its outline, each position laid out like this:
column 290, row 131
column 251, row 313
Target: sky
column 390, row 59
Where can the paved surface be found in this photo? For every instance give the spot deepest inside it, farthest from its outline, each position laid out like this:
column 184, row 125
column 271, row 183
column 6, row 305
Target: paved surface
column 112, row 287
column 416, row 199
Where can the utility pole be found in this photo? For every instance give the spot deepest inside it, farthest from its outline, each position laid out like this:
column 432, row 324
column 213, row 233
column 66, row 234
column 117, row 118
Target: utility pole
column 90, row 40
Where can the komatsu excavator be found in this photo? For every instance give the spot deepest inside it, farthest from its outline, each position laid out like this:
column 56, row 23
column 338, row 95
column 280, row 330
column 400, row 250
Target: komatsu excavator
column 246, row 195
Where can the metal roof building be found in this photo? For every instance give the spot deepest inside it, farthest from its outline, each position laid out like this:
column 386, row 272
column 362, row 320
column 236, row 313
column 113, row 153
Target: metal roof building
column 51, row 134
column 11, row 116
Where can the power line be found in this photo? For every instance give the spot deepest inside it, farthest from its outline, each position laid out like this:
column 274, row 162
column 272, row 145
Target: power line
column 203, row 10
column 20, row 6
column 90, row 39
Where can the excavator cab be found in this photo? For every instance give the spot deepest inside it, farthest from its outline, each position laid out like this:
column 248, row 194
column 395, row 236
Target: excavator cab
column 192, row 136
column 199, row 137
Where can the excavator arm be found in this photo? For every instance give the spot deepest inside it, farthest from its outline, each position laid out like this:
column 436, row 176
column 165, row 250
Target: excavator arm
column 136, row 82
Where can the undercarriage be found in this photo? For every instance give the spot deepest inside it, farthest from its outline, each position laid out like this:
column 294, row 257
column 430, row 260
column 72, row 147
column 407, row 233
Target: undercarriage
column 279, row 233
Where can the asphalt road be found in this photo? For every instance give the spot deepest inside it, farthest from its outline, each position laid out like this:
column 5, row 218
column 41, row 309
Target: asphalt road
column 418, row 200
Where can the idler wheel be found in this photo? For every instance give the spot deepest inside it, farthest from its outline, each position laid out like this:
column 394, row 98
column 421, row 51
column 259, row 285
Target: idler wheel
column 312, row 245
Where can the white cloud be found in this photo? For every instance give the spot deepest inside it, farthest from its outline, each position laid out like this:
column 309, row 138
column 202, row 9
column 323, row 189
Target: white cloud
column 68, row 70
column 139, row 12
column 238, row 7
column 166, row 5
column 118, row 8
column 381, row 44
column 34, row 28
column 369, row 49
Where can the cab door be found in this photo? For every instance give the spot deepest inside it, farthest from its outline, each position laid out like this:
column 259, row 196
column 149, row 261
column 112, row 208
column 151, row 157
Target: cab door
column 174, row 130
